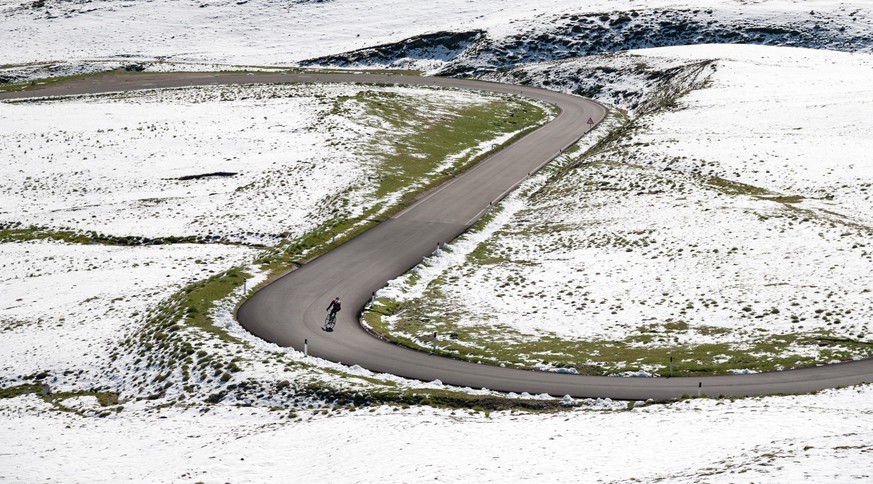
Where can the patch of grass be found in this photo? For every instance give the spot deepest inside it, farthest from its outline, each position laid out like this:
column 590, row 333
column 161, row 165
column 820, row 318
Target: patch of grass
column 483, row 255
column 104, row 398
column 199, row 298
column 730, row 187
column 712, row 330
column 667, row 327
column 19, row 390
column 170, row 338
column 736, row 188
column 432, row 397
column 12, row 324
column 784, row 198
column 499, row 344
column 18, row 233
column 33, row 233
column 422, row 145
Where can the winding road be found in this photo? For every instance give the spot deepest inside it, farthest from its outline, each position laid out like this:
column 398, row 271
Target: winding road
column 291, row 309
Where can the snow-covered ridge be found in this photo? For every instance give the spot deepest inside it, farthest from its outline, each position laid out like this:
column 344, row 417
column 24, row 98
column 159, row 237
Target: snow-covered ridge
column 423, row 52
column 275, row 32
column 570, row 35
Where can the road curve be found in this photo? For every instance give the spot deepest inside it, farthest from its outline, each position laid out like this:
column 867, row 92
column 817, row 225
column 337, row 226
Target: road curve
column 292, row 308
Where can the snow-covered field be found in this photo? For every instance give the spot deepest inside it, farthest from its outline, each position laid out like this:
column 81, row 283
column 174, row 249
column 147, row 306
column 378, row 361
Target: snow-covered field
column 817, row 438
column 738, row 224
column 735, row 220
column 116, row 164
column 64, row 306
column 793, row 121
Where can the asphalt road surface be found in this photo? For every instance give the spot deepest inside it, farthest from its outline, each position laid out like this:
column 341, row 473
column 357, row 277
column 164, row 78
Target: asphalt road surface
column 291, row 310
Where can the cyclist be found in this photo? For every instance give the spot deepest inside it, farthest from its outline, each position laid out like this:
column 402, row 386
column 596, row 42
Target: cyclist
column 334, row 307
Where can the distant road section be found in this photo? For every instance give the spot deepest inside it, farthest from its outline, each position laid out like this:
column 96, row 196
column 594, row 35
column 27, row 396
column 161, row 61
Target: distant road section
column 291, row 310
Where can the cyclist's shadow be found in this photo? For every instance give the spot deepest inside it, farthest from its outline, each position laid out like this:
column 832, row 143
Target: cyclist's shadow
column 329, row 323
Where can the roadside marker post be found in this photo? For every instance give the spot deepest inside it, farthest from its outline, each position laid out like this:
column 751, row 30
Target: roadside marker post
column 306, row 347
column 671, row 366
column 433, row 348
column 699, row 388
column 244, row 285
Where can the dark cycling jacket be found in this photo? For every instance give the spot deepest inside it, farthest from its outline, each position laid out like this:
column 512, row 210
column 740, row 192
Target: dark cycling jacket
column 334, row 306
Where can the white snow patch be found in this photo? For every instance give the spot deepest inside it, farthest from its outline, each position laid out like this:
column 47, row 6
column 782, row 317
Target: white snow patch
column 568, row 371
column 633, row 374
column 744, row 371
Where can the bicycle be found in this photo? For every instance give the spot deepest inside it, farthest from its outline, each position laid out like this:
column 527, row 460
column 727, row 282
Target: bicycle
column 329, row 321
